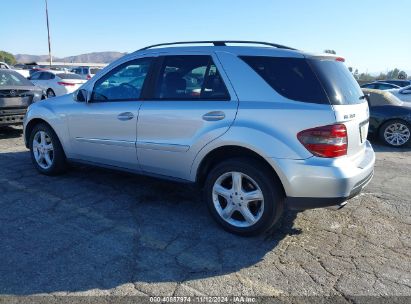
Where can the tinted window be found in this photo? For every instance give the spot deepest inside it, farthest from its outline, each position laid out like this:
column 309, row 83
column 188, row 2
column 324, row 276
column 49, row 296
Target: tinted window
column 11, row 78
column 338, row 82
column 382, row 86
column 69, row 76
column 46, row 76
column 123, row 83
column 35, row 76
column 368, row 86
column 190, row 77
column 94, row 71
column 293, row 78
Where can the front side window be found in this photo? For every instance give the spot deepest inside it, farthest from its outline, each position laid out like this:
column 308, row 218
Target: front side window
column 123, row 83
column 190, row 77
column 35, row 76
column 46, row 76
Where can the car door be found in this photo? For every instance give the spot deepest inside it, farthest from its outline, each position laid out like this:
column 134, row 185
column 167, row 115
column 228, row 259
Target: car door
column 103, row 130
column 190, row 104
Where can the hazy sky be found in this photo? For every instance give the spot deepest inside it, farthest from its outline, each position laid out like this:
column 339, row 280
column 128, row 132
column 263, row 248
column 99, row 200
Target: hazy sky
column 370, row 34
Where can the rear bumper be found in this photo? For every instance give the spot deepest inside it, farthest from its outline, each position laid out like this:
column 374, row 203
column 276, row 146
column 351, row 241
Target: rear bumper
column 303, row 203
column 320, row 182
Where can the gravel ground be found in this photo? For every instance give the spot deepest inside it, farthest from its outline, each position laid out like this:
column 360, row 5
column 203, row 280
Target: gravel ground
column 98, row 232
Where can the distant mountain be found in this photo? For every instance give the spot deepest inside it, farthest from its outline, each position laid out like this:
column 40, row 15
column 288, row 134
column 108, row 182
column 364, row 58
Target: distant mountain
column 96, row 57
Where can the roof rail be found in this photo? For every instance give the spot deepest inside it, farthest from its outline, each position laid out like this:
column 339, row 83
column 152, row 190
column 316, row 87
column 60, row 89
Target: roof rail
column 219, row 43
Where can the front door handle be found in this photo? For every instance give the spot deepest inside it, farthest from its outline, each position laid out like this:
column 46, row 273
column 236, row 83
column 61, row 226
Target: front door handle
column 125, row 116
column 214, row 116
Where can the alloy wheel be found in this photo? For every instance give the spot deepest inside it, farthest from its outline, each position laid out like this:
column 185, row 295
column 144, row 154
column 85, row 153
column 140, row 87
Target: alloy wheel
column 43, row 150
column 397, row 134
column 238, row 199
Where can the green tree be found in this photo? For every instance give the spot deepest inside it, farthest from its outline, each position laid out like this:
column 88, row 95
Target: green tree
column 7, row 58
column 393, row 74
column 402, row 75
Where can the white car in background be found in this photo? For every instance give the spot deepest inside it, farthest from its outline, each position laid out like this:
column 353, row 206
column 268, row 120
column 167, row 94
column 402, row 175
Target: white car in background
column 404, row 94
column 24, row 73
column 86, row 72
column 56, row 83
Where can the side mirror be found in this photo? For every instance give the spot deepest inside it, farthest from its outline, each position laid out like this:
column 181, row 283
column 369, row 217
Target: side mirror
column 81, row 96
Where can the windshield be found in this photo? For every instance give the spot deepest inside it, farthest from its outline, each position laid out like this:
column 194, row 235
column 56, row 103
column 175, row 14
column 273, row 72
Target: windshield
column 11, row 78
column 338, row 82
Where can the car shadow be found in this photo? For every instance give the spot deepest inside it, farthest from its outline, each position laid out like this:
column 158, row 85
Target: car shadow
column 7, row 132
column 378, row 147
column 93, row 228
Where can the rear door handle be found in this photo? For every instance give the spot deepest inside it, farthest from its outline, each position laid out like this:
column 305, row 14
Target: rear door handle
column 214, row 116
column 125, row 116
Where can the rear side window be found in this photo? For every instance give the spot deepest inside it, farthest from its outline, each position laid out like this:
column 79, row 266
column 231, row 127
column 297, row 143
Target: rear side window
column 293, row 78
column 190, row 77
column 69, row 76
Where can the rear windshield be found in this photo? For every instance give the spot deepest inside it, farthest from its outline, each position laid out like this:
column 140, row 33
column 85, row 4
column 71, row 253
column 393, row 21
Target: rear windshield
column 69, row 76
column 94, row 71
column 11, row 78
column 338, row 82
column 293, row 78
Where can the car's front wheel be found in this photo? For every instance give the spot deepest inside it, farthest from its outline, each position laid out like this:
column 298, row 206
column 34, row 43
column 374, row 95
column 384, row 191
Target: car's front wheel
column 46, row 151
column 395, row 133
column 244, row 196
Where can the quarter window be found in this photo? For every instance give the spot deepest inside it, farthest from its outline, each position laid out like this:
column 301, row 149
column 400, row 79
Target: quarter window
column 123, row 83
column 290, row 77
column 190, row 77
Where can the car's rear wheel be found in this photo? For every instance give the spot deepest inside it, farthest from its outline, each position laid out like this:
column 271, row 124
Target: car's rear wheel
column 50, row 93
column 395, row 133
column 244, row 196
column 46, row 151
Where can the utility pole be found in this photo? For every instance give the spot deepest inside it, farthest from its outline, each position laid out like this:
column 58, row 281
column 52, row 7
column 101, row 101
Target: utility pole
column 48, row 34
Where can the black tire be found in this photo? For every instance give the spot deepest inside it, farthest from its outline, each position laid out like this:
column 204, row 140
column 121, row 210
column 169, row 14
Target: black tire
column 269, row 184
column 59, row 163
column 386, row 125
column 50, row 93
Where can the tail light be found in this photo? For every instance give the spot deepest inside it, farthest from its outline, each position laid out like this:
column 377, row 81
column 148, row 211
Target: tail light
column 88, row 76
column 66, row 84
column 327, row 141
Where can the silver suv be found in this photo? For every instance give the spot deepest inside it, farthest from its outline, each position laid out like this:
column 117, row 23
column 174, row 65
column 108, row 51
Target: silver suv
column 260, row 128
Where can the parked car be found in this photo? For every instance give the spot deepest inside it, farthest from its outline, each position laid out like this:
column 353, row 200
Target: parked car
column 16, row 94
column 56, row 83
column 241, row 130
column 36, row 69
column 390, row 119
column 398, row 82
column 403, row 94
column 5, row 66
column 86, row 72
column 380, row 86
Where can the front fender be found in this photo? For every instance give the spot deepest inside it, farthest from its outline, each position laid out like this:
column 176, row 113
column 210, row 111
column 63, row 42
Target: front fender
column 44, row 111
